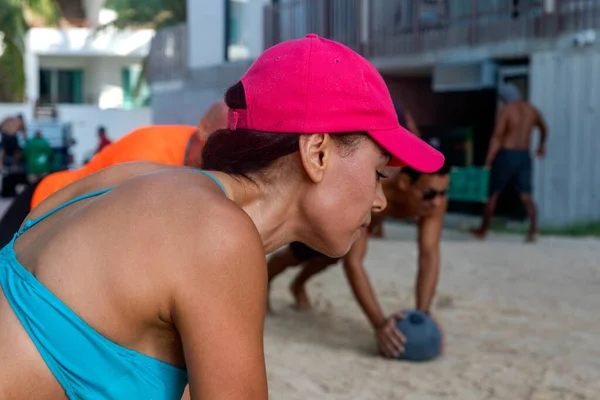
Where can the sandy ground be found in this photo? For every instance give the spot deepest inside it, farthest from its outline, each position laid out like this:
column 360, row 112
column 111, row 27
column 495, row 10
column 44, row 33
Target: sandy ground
column 522, row 322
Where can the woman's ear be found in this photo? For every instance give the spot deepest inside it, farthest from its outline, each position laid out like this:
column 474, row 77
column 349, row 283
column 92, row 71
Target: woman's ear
column 315, row 153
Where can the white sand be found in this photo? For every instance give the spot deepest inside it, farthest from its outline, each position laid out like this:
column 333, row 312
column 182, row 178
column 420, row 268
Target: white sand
column 522, row 322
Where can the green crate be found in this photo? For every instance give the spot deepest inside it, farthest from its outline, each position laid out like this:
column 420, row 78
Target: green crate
column 469, row 184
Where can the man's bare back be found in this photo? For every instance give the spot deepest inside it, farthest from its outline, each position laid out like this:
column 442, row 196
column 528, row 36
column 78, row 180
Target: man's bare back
column 520, row 118
column 514, row 128
column 12, row 125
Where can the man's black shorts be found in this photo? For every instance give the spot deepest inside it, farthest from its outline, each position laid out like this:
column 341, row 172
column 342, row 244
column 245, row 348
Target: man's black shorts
column 514, row 167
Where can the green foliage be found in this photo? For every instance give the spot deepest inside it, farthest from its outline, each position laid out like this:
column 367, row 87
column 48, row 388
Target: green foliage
column 591, row 229
column 14, row 31
column 157, row 13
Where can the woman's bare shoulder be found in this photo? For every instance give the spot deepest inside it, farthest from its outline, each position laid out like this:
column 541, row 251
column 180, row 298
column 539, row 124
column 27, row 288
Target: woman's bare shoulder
column 109, row 177
column 194, row 212
column 217, row 248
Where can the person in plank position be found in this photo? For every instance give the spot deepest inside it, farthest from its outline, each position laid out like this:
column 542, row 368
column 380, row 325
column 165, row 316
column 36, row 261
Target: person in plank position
column 410, row 195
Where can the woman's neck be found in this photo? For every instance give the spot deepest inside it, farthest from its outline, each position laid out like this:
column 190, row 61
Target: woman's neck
column 273, row 210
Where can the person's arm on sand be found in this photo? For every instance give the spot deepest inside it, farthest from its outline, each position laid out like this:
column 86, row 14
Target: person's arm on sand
column 541, row 124
column 430, row 233
column 219, row 310
column 390, row 339
column 496, row 140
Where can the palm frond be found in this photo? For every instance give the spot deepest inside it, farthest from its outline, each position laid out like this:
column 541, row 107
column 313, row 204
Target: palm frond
column 14, row 28
column 48, row 10
column 12, row 73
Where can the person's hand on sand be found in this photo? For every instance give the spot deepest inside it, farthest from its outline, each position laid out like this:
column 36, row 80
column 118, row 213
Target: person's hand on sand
column 389, row 338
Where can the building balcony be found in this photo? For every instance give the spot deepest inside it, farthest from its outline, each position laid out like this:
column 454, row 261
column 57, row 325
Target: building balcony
column 381, row 30
column 384, row 28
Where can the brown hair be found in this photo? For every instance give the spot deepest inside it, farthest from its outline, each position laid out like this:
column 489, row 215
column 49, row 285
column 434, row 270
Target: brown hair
column 245, row 152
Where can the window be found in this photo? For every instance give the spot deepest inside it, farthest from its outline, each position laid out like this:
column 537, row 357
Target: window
column 236, row 30
column 130, row 77
column 61, row 86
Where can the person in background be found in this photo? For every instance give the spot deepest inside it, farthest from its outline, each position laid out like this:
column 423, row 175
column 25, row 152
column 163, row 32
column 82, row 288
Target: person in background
column 163, row 144
column 405, row 119
column 509, row 155
column 103, row 139
column 38, row 154
column 11, row 150
column 410, row 195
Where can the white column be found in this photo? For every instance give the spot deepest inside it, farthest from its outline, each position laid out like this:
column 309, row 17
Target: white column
column 92, row 10
column 253, row 27
column 32, row 73
column 206, row 32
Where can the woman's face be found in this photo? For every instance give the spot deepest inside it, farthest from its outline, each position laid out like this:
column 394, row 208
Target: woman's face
column 339, row 205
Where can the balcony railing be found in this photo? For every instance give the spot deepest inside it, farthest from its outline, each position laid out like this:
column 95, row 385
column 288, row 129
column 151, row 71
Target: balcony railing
column 378, row 28
column 167, row 60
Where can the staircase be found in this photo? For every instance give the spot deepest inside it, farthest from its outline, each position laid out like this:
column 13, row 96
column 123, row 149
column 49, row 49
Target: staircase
column 45, row 111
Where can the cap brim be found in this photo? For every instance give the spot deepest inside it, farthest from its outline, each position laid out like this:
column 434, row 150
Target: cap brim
column 408, row 149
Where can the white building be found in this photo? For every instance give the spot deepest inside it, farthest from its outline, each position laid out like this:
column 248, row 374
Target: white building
column 81, row 66
column 88, row 75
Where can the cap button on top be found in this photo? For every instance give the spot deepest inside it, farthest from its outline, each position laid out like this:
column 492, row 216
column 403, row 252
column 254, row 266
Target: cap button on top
column 312, row 35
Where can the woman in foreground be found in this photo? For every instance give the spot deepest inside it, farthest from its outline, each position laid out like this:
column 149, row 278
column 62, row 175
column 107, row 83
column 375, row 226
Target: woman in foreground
column 134, row 280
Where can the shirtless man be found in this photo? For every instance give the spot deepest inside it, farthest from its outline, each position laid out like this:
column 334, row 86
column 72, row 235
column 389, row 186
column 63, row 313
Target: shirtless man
column 410, row 195
column 9, row 129
column 509, row 156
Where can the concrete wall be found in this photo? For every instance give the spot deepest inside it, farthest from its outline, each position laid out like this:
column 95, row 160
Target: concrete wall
column 85, row 120
column 206, row 29
column 186, row 102
column 105, row 85
column 253, row 25
column 565, row 86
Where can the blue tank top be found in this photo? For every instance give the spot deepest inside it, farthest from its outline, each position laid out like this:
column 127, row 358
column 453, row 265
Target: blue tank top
column 85, row 363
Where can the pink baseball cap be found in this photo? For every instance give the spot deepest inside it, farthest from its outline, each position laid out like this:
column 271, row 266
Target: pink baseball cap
column 316, row 85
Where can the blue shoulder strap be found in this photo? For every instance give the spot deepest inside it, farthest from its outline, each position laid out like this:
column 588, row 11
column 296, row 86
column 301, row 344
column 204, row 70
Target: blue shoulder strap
column 214, row 179
column 27, row 225
column 32, row 222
